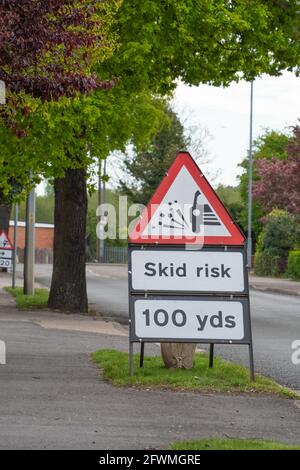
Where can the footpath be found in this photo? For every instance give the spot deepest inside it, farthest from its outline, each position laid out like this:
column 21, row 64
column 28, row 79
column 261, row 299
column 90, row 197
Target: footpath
column 275, row 285
column 53, row 397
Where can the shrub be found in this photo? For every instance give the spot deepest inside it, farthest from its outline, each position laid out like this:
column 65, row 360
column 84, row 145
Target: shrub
column 294, row 264
column 278, row 237
column 267, row 264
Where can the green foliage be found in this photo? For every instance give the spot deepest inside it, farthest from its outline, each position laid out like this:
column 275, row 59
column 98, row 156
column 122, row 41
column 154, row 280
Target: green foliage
column 75, row 134
column 280, row 232
column 271, row 144
column 202, row 42
column 231, row 198
column 232, row 444
column 293, row 269
column 146, row 168
column 158, row 42
column 44, row 209
column 225, row 376
column 279, row 235
column 266, row 264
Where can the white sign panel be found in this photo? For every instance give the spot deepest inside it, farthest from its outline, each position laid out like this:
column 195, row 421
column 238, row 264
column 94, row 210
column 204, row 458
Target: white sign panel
column 6, row 254
column 198, row 271
column 189, row 319
column 5, row 263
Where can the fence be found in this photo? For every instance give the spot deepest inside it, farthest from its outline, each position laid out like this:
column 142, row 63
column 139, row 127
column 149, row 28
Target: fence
column 115, row 254
column 112, row 254
column 42, row 255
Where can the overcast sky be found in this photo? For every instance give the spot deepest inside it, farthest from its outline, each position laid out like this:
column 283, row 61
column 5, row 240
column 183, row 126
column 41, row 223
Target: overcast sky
column 224, row 112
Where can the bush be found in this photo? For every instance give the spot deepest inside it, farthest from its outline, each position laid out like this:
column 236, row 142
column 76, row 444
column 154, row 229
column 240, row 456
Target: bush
column 294, row 264
column 267, row 264
column 280, row 230
column 278, row 237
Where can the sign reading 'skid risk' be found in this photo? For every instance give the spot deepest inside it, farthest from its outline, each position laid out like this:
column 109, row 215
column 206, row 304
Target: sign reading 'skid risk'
column 188, row 280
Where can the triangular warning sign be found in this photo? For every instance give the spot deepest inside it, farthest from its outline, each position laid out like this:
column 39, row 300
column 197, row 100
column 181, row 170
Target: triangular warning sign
column 186, row 210
column 5, row 243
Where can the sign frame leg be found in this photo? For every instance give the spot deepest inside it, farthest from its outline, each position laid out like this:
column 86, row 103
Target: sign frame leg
column 131, row 365
column 251, row 362
column 211, row 355
column 142, row 353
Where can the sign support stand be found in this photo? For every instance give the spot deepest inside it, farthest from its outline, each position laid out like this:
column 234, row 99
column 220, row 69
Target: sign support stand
column 211, row 355
column 131, row 365
column 188, row 284
column 142, row 351
column 251, row 362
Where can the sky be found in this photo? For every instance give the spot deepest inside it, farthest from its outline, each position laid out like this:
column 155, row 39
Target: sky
column 225, row 114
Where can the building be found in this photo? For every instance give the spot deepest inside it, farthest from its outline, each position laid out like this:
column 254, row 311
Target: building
column 44, row 236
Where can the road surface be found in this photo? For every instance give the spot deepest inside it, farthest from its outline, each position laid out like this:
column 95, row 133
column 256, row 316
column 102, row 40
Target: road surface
column 275, row 320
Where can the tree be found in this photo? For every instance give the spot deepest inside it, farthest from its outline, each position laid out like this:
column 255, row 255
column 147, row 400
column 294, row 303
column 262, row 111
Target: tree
column 48, row 50
column 270, row 144
column 144, row 170
column 199, row 42
column 64, row 131
column 280, row 233
column 278, row 180
column 231, row 198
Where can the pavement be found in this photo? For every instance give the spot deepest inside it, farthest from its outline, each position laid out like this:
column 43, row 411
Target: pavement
column 275, row 285
column 53, row 397
column 275, row 318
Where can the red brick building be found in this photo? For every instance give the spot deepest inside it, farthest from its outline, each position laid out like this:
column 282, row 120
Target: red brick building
column 44, row 235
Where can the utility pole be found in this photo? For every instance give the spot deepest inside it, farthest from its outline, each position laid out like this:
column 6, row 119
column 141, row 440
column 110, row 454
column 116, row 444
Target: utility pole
column 102, row 202
column 29, row 260
column 250, row 174
column 15, row 242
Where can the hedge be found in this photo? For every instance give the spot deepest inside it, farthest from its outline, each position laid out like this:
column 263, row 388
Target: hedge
column 293, row 269
column 266, row 264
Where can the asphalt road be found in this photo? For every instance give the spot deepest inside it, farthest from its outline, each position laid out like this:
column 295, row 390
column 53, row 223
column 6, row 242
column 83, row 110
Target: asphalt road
column 275, row 320
column 53, row 397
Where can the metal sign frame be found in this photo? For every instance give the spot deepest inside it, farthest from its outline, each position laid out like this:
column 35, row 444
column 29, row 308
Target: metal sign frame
column 183, row 248
column 134, row 295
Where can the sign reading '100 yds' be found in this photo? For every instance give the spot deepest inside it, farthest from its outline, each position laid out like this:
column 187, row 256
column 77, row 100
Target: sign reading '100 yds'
column 181, row 270
column 190, row 319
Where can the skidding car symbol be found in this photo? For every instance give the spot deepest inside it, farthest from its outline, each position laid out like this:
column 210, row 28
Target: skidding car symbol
column 201, row 214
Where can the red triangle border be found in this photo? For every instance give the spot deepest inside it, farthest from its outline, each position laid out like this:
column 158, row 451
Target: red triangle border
column 236, row 237
column 11, row 247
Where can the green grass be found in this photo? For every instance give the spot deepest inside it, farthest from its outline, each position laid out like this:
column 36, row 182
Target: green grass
column 36, row 301
column 232, row 444
column 223, row 377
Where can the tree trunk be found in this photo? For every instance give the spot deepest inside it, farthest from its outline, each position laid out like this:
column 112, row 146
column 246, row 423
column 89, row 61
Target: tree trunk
column 68, row 286
column 178, row 355
column 4, row 218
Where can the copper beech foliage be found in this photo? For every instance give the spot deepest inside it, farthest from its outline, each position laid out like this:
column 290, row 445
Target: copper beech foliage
column 279, row 179
column 46, row 46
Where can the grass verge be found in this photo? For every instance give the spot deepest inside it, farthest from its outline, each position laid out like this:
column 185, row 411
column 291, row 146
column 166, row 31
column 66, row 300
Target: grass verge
column 232, row 444
column 223, row 377
column 38, row 300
